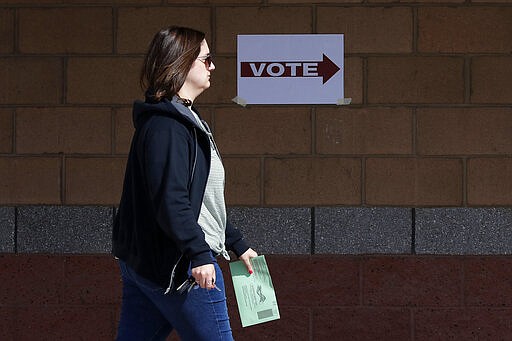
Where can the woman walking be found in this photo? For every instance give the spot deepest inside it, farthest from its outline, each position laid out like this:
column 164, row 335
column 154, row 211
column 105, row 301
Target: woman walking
column 171, row 224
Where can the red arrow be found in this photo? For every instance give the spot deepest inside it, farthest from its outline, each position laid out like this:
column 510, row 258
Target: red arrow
column 325, row 69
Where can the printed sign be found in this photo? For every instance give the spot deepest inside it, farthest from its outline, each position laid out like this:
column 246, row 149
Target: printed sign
column 290, row 69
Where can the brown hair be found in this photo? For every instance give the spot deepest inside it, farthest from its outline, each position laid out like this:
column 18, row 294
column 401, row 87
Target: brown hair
column 170, row 56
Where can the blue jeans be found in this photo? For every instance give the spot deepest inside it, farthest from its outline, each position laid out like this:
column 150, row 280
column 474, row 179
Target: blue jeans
column 148, row 314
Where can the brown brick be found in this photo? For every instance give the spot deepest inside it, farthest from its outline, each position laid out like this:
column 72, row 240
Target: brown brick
column 42, row 286
column 251, row 130
column 101, row 272
column 102, row 80
column 243, row 181
column 29, row 180
column 135, row 2
column 309, row 2
column 361, row 323
column 412, row 281
column 312, row 181
column 65, row 30
column 280, row 329
column 408, row 181
column 363, row 131
column 81, row 2
column 63, row 130
column 123, row 130
column 489, row 181
column 174, row 2
column 61, row 322
column 6, row 31
column 223, row 82
column 31, row 80
column 342, row 289
column 6, row 130
column 224, row 1
column 462, row 324
column 18, row 2
column 94, row 181
column 444, row 131
column 490, row 80
column 353, row 81
column 484, row 29
column 416, row 1
column 487, row 281
column 134, row 35
column 369, row 29
column 415, row 80
column 8, row 322
column 205, row 113
column 231, row 21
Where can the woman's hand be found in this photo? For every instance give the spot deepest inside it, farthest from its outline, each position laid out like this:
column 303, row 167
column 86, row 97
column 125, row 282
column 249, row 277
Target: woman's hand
column 246, row 258
column 204, row 276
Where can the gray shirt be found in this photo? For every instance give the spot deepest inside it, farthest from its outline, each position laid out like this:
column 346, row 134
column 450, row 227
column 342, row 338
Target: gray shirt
column 212, row 217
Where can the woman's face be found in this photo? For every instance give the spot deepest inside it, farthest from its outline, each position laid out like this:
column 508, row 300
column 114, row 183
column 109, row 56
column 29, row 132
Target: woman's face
column 198, row 78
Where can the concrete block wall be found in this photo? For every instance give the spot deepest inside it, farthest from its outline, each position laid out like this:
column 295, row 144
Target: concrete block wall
column 429, row 123
column 393, row 211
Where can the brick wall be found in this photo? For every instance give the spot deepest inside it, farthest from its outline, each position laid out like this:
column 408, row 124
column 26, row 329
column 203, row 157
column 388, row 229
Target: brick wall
column 394, row 211
column 321, row 297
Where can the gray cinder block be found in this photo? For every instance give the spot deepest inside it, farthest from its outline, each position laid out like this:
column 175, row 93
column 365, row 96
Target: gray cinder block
column 464, row 231
column 363, row 230
column 274, row 230
column 7, row 229
column 64, row 229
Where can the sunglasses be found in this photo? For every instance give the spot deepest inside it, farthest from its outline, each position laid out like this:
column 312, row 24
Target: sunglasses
column 207, row 60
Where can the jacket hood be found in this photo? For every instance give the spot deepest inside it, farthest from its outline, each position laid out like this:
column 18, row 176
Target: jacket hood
column 142, row 110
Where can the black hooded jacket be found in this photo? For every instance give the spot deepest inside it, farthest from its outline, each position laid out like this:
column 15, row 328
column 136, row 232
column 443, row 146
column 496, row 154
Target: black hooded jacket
column 155, row 230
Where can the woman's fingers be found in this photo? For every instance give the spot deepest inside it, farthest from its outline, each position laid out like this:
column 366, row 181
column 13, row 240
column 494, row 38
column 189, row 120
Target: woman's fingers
column 246, row 258
column 204, row 276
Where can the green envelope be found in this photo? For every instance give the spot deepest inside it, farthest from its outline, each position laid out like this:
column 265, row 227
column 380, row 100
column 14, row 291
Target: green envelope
column 254, row 293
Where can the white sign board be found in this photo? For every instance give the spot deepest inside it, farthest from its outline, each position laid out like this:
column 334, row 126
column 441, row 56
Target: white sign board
column 290, row 69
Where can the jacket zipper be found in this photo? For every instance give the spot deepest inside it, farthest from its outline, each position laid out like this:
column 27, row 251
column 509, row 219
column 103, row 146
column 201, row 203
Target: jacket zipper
column 195, row 159
column 173, row 273
column 212, row 139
